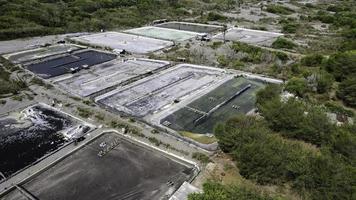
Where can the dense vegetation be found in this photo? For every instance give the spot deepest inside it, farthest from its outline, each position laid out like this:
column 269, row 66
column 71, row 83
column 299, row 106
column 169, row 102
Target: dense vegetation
column 266, row 154
column 327, row 74
column 216, row 191
column 317, row 75
column 279, row 9
column 9, row 85
column 21, row 18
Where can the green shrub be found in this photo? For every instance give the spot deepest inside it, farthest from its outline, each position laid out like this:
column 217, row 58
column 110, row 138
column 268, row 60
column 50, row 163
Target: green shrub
column 83, row 112
column 347, row 91
column 267, row 158
column 201, row 157
column 99, row 117
column 290, row 27
column 278, row 9
column 325, row 17
column 217, row 191
column 312, row 60
column 282, row 56
column 324, row 82
column 155, row 141
column 294, row 119
column 282, row 43
column 270, row 92
column 216, row 44
column 335, row 108
column 297, row 86
column 213, row 16
column 341, row 65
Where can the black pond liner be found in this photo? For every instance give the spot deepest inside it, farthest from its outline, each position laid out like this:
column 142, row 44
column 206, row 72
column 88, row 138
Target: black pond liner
column 62, row 65
column 20, row 147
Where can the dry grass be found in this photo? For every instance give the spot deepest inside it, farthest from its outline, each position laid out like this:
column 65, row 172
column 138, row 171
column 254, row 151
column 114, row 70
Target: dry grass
column 201, row 138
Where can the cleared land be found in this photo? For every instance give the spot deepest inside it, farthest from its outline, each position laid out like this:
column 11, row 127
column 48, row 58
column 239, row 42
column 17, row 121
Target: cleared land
column 27, row 136
column 58, row 66
column 193, row 27
column 250, row 36
column 163, row 33
column 126, row 171
column 10, row 46
column 234, row 97
column 100, row 77
column 154, row 93
column 29, row 55
column 123, row 41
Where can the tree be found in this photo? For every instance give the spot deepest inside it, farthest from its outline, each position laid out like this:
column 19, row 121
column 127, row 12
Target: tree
column 267, row 158
column 294, row 119
column 324, row 82
column 282, row 43
column 344, row 142
column 270, row 92
column 347, row 91
column 342, row 65
column 297, row 86
column 312, row 60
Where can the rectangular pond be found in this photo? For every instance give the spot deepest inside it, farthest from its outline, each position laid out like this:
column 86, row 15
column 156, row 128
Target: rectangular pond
column 234, row 97
column 122, row 41
column 27, row 136
column 111, row 167
column 163, row 33
column 61, row 65
column 100, row 77
column 168, row 87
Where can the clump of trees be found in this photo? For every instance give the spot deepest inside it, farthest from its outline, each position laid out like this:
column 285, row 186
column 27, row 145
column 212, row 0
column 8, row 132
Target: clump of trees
column 297, row 86
column 347, row 91
column 342, row 16
column 289, row 25
column 342, row 65
column 272, row 150
column 8, row 84
column 283, row 43
column 279, row 9
column 312, row 60
column 299, row 120
column 316, row 74
column 343, row 68
column 24, row 18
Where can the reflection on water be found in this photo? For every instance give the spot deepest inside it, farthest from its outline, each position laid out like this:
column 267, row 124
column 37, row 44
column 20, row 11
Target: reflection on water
column 25, row 140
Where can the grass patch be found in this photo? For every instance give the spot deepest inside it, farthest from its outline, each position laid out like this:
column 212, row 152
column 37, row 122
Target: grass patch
column 283, row 43
column 278, row 9
column 201, row 157
column 85, row 113
column 155, row 141
column 201, row 138
column 216, row 44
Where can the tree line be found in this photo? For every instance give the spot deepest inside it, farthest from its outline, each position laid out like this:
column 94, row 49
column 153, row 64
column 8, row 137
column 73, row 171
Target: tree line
column 269, row 150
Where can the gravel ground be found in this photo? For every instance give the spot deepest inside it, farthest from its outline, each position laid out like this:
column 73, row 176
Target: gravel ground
column 30, row 43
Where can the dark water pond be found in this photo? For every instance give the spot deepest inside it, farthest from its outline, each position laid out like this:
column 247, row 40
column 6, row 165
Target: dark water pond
column 62, row 65
column 25, row 141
